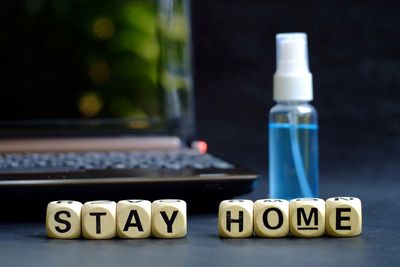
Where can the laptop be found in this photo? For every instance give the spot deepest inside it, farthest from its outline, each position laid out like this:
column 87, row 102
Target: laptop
column 96, row 101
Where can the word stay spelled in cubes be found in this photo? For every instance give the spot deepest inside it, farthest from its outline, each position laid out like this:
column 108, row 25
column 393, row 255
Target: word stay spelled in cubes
column 104, row 219
column 302, row 217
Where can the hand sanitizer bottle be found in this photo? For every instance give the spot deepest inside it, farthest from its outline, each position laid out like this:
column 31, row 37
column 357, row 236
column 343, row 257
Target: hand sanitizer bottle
column 293, row 128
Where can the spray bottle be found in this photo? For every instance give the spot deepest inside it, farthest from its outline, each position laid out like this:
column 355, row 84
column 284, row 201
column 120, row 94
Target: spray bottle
column 293, row 128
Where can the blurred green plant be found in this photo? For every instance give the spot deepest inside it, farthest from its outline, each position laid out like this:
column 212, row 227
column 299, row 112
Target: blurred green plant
column 122, row 58
column 119, row 53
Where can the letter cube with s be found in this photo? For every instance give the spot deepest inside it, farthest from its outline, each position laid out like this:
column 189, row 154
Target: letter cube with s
column 99, row 219
column 134, row 218
column 63, row 219
column 307, row 217
column 235, row 218
column 343, row 216
column 271, row 217
column 169, row 218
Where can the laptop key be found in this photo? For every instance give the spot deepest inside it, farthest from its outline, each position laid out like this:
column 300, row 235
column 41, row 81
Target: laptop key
column 222, row 165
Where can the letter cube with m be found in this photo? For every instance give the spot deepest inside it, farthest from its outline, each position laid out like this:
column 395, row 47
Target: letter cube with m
column 307, row 217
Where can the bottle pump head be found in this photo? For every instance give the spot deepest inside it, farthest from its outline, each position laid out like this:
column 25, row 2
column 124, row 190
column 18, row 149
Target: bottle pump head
column 292, row 79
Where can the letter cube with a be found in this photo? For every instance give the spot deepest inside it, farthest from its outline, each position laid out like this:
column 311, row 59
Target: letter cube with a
column 343, row 216
column 63, row 219
column 99, row 219
column 307, row 217
column 134, row 218
column 235, row 218
column 169, row 218
column 271, row 217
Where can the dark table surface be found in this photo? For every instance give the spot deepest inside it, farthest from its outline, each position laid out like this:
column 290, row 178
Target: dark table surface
column 25, row 243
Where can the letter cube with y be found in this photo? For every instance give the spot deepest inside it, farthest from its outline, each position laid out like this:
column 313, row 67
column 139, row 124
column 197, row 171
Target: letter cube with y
column 99, row 219
column 63, row 219
column 307, row 217
column 235, row 218
column 271, row 217
column 168, row 218
column 343, row 216
column 134, row 218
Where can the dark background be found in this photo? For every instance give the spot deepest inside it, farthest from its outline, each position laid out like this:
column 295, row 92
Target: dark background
column 354, row 57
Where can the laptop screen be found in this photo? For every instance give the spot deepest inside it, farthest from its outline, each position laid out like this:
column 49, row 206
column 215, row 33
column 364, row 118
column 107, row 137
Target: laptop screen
column 94, row 66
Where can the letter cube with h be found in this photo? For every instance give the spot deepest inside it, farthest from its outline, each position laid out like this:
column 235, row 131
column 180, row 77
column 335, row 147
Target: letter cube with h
column 307, row 217
column 235, row 218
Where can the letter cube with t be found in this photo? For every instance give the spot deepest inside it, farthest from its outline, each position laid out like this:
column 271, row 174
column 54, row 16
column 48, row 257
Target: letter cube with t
column 235, row 218
column 99, row 219
column 168, row 218
column 307, row 217
column 134, row 218
column 343, row 216
column 271, row 217
column 63, row 219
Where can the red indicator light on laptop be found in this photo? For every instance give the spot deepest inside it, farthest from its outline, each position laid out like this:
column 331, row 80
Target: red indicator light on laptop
column 200, row 146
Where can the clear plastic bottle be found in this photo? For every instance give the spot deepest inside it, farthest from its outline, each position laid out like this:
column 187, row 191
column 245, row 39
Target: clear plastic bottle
column 293, row 127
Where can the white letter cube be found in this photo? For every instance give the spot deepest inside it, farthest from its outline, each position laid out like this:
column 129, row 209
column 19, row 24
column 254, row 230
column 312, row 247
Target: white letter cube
column 271, row 217
column 169, row 218
column 134, row 218
column 235, row 218
column 99, row 219
column 307, row 217
column 343, row 216
column 63, row 219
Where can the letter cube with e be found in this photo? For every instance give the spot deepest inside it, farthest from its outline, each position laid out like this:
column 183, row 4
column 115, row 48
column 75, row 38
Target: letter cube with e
column 235, row 218
column 271, row 217
column 169, row 218
column 343, row 216
column 134, row 218
column 307, row 217
column 63, row 219
column 99, row 219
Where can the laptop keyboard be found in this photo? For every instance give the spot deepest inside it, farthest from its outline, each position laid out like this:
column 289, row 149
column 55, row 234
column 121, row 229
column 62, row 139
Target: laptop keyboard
column 176, row 160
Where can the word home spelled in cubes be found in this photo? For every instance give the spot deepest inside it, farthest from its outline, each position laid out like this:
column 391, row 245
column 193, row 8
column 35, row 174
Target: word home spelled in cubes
column 103, row 219
column 302, row 217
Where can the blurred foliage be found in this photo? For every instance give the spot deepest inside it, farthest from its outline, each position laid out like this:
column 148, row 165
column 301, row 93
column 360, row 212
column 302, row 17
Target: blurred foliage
column 113, row 47
column 98, row 58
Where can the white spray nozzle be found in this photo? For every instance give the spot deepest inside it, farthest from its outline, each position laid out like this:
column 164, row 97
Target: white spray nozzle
column 291, row 52
column 292, row 79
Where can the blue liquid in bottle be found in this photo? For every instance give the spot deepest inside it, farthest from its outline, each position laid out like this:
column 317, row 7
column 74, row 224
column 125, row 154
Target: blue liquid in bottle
column 293, row 160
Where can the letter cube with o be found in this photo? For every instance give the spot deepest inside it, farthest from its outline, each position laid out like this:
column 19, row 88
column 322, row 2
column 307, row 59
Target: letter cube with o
column 307, row 217
column 169, row 218
column 343, row 216
column 63, row 219
column 134, row 218
column 99, row 219
column 235, row 218
column 271, row 217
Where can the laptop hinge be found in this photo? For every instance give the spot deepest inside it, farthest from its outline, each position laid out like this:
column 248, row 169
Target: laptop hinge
column 90, row 144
